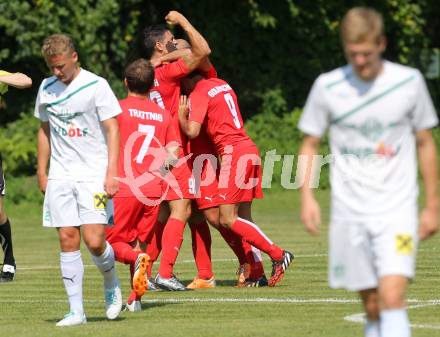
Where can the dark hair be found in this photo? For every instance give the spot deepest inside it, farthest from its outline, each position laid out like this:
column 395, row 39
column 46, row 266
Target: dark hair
column 139, row 75
column 153, row 34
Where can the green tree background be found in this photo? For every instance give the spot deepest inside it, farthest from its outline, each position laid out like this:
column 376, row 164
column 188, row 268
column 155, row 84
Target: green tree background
column 270, row 51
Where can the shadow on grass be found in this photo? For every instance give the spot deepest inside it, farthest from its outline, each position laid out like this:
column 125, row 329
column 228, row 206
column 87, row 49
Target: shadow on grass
column 219, row 283
column 153, row 305
column 91, row 319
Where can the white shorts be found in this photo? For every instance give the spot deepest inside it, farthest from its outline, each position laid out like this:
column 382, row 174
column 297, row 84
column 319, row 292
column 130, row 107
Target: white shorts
column 72, row 203
column 362, row 252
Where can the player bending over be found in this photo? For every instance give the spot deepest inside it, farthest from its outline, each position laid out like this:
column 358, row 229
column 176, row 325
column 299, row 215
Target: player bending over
column 213, row 103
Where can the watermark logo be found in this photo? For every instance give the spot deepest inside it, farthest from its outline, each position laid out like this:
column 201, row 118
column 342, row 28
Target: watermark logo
column 242, row 170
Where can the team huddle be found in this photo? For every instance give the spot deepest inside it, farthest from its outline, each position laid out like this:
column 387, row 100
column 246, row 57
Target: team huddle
column 175, row 152
column 184, row 157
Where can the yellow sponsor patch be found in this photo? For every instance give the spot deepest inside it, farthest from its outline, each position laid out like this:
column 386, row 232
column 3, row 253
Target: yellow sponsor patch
column 100, row 200
column 404, row 244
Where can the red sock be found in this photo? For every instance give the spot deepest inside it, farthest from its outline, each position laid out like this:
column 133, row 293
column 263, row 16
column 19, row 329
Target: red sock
column 255, row 260
column 124, row 253
column 253, row 235
column 154, row 246
column 235, row 242
column 133, row 297
column 171, row 242
column 201, row 247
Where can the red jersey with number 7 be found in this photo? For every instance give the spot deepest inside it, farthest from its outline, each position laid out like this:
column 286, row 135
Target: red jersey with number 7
column 145, row 130
column 213, row 103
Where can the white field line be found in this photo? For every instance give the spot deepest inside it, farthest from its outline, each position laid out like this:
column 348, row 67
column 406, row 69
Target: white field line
column 293, row 300
column 56, row 266
column 360, row 318
column 216, row 300
column 356, row 318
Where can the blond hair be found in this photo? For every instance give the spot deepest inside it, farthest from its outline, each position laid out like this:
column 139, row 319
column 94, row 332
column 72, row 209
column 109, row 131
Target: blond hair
column 57, row 44
column 361, row 24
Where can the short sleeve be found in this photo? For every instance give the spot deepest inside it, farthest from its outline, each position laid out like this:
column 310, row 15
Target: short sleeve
column 198, row 106
column 423, row 115
column 315, row 119
column 107, row 105
column 40, row 109
column 175, row 70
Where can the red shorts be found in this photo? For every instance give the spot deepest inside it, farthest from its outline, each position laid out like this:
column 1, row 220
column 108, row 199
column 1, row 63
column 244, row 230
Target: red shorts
column 181, row 184
column 206, row 182
column 133, row 220
column 240, row 175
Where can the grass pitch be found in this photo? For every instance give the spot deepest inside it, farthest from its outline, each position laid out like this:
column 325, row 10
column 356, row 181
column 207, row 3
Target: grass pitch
column 302, row 305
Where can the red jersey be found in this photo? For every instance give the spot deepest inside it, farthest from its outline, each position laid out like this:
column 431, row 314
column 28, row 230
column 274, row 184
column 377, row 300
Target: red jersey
column 145, row 129
column 213, row 103
column 166, row 89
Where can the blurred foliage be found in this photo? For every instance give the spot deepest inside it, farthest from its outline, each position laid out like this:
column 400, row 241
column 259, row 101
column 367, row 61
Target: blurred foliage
column 23, row 189
column 18, row 144
column 278, row 135
column 269, row 51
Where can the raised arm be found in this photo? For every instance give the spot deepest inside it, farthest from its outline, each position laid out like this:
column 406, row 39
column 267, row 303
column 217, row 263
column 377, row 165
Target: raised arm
column 172, row 56
column 17, row 80
column 112, row 134
column 310, row 210
column 199, row 46
column 427, row 152
column 43, row 155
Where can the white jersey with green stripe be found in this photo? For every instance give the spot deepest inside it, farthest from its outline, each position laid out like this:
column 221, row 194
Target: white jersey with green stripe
column 371, row 128
column 75, row 112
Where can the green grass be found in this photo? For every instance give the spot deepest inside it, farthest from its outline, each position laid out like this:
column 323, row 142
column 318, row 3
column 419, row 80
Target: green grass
column 32, row 304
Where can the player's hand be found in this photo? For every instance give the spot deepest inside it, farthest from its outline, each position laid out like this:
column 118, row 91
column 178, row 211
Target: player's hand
column 310, row 215
column 174, row 18
column 42, row 182
column 183, row 107
column 429, row 223
column 111, row 185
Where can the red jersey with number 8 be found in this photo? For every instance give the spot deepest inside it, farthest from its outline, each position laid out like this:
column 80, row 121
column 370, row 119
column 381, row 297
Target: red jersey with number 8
column 213, row 103
column 145, row 130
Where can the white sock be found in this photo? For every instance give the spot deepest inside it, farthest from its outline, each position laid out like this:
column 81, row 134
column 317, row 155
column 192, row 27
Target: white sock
column 106, row 264
column 72, row 271
column 394, row 323
column 371, row 328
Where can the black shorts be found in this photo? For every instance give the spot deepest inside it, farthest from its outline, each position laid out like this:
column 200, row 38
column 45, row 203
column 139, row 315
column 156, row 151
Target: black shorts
column 2, row 178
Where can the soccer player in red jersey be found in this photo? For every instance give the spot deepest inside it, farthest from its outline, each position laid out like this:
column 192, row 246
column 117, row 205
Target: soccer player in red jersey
column 213, row 104
column 147, row 137
column 251, row 270
column 159, row 41
column 206, row 170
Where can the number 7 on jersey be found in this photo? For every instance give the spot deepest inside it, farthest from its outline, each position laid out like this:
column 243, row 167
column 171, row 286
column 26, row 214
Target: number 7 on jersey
column 149, row 134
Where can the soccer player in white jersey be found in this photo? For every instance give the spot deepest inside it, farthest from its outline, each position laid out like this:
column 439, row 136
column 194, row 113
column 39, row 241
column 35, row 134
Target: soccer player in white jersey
column 378, row 115
column 7, row 273
column 79, row 133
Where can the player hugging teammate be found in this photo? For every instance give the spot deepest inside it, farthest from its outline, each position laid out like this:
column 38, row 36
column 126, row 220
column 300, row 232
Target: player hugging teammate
column 164, row 159
column 194, row 190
